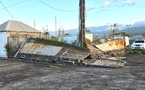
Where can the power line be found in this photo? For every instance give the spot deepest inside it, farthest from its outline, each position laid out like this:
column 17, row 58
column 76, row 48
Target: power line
column 10, row 14
column 6, row 10
column 14, row 4
column 57, row 8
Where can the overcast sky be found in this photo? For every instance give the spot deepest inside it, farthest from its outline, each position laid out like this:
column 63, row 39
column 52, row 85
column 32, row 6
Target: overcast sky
column 98, row 12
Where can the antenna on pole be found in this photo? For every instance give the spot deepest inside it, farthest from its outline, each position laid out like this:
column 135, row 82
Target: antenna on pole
column 34, row 23
column 55, row 26
column 82, row 27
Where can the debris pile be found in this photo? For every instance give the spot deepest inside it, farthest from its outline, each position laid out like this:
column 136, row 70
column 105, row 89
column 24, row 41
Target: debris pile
column 61, row 54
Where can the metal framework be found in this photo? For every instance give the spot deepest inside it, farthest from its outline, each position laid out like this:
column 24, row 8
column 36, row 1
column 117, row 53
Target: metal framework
column 82, row 27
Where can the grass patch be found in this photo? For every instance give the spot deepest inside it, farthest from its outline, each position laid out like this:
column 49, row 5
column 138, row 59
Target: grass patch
column 56, row 43
column 57, row 65
column 136, row 51
column 121, row 55
column 53, row 66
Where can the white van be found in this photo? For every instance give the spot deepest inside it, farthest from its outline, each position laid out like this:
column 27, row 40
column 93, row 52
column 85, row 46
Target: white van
column 138, row 44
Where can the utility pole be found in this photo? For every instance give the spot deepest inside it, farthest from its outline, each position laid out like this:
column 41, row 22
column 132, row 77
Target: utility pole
column 82, row 27
column 55, row 26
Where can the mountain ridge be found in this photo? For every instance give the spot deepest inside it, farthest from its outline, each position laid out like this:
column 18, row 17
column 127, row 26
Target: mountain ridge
column 136, row 28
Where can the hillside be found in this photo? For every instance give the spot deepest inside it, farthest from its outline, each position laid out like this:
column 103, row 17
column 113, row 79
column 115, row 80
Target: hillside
column 132, row 29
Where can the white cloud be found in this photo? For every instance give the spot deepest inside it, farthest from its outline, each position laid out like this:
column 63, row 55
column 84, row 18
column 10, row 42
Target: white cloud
column 89, row 8
column 106, row 3
column 128, row 2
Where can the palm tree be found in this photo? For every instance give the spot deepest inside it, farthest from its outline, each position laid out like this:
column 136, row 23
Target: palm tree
column 113, row 29
column 45, row 33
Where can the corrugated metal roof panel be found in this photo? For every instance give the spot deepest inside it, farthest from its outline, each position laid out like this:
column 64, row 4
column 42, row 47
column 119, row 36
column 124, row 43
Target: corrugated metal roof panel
column 111, row 45
column 40, row 49
column 3, row 26
column 108, row 63
column 16, row 26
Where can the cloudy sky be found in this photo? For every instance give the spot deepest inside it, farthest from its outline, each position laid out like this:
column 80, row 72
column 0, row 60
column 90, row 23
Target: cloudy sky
column 98, row 12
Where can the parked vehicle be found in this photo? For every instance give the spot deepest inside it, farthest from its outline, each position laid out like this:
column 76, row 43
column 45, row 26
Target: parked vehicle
column 138, row 44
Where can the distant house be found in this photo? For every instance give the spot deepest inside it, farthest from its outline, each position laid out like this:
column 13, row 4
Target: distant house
column 14, row 33
column 89, row 36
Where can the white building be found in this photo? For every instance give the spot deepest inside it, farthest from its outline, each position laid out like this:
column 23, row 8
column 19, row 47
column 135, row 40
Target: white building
column 14, row 33
column 3, row 41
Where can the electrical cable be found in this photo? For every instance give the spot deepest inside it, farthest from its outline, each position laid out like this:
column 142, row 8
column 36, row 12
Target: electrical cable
column 10, row 14
column 57, row 8
column 14, row 4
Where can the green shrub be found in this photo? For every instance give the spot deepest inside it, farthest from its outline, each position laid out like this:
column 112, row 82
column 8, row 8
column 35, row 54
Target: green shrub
column 10, row 50
column 74, row 42
column 137, row 51
column 121, row 55
column 143, row 51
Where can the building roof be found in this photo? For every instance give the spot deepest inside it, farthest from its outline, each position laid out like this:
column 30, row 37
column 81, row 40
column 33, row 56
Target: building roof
column 16, row 26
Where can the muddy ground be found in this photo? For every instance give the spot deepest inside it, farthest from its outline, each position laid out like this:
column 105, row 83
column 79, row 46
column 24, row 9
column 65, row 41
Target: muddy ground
column 24, row 75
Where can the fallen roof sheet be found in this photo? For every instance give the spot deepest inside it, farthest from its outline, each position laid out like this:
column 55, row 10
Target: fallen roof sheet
column 49, row 50
column 40, row 49
column 112, row 45
column 112, row 63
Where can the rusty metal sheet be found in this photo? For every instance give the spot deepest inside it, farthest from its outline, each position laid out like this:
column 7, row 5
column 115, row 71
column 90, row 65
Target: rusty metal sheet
column 112, row 45
column 40, row 49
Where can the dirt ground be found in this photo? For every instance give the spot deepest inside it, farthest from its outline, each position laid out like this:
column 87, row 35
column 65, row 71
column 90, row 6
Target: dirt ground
column 24, row 75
